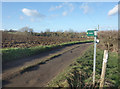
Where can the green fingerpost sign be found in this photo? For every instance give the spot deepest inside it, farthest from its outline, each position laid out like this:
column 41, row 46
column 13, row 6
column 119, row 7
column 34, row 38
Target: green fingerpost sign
column 93, row 33
column 90, row 33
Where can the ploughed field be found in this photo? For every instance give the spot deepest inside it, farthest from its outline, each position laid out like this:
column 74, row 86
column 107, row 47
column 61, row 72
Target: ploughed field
column 30, row 40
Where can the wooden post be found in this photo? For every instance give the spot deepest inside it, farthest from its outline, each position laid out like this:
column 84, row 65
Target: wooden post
column 103, row 68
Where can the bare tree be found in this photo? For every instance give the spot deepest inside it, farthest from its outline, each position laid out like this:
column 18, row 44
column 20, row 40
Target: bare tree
column 26, row 29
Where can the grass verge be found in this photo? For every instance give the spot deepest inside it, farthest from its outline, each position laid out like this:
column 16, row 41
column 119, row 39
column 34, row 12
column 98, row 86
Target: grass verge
column 10, row 54
column 79, row 73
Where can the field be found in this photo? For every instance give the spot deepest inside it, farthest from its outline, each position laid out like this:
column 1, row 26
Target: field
column 108, row 39
column 26, row 40
column 16, row 45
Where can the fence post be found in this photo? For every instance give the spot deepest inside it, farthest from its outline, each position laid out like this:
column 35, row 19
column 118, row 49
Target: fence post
column 103, row 68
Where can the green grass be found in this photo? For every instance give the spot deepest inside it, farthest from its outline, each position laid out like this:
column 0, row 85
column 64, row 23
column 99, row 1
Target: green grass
column 79, row 73
column 10, row 54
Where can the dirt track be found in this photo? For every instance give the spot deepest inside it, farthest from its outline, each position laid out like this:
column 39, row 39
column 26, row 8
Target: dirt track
column 40, row 75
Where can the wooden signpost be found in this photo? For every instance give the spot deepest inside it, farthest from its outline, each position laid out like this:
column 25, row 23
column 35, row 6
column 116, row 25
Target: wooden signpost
column 103, row 69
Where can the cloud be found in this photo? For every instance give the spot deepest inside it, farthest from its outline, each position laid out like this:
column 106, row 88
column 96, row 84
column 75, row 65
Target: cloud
column 32, row 13
column 85, row 8
column 67, row 8
column 71, row 7
column 55, row 8
column 114, row 10
column 21, row 17
column 64, row 13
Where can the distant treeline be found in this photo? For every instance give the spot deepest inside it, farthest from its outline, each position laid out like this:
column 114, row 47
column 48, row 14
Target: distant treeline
column 47, row 33
column 62, row 34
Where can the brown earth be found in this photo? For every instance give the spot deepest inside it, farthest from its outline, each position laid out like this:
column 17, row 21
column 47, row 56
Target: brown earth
column 40, row 75
column 19, row 40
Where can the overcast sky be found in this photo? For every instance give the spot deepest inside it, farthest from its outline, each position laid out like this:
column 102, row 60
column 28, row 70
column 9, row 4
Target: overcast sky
column 62, row 16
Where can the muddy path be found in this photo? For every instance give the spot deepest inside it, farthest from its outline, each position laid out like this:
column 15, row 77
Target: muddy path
column 40, row 75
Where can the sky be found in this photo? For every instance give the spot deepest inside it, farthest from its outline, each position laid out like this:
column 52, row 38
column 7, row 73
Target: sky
column 60, row 16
